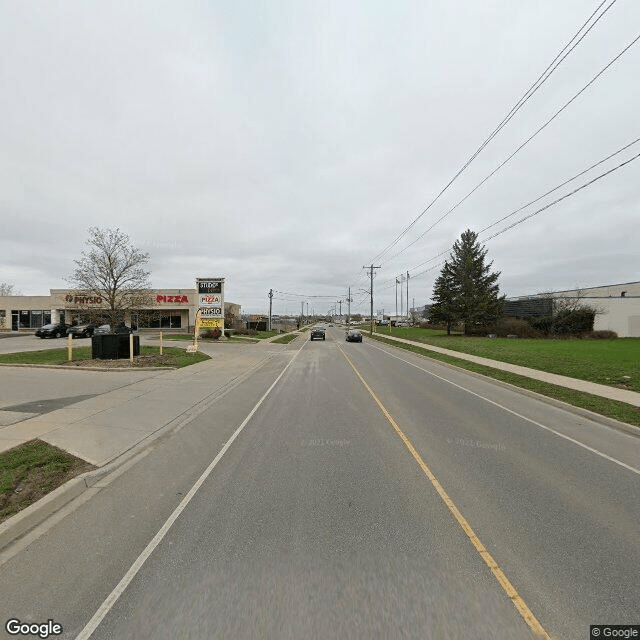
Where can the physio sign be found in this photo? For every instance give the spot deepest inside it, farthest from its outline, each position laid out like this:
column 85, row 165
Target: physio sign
column 211, row 312
column 210, row 303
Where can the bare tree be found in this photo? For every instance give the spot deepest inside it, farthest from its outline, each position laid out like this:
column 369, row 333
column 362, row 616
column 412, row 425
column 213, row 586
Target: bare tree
column 110, row 278
column 7, row 289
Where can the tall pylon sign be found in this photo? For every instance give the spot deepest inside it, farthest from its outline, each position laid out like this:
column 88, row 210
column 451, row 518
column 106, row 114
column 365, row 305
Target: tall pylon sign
column 210, row 313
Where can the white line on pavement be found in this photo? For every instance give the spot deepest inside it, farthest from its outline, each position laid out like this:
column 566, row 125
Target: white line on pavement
column 515, row 413
column 112, row 598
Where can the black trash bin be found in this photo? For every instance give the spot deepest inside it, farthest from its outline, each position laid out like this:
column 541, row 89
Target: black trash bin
column 112, row 346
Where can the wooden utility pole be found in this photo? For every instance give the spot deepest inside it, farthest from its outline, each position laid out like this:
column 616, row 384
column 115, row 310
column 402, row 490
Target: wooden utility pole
column 371, row 268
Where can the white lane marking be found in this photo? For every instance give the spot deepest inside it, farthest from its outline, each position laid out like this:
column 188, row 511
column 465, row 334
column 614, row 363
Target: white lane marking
column 112, row 598
column 515, row 413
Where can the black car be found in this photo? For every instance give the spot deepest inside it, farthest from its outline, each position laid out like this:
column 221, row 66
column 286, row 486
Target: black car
column 317, row 332
column 354, row 335
column 81, row 330
column 54, row 330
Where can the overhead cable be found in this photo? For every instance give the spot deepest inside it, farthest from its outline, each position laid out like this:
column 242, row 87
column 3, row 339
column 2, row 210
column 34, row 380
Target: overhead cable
column 544, row 76
column 526, row 142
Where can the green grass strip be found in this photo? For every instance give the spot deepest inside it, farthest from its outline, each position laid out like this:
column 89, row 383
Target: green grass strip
column 604, row 406
column 615, row 363
column 285, row 339
column 60, row 356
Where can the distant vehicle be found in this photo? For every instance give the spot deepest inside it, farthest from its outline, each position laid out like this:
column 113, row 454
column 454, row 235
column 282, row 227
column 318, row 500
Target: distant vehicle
column 82, row 330
column 354, row 335
column 106, row 328
column 402, row 323
column 53, row 330
column 317, row 332
column 383, row 323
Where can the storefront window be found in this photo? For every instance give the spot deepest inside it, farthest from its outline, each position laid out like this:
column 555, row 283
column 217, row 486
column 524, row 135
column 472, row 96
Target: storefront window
column 36, row 319
column 31, row 319
column 161, row 322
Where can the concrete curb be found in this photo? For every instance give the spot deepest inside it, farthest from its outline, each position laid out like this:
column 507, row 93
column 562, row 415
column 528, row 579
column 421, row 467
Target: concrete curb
column 35, row 514
column 571, row 408
column 71, row 368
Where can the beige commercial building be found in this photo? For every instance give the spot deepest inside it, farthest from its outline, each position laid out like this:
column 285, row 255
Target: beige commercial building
column 174, row 310
column 617, row 306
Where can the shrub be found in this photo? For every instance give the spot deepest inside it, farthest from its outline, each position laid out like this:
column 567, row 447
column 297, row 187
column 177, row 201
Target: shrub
column 245, row 332
column 601, row 334
column 515, row 326
column 211, row 334
column 543, row 325
column 574, row 322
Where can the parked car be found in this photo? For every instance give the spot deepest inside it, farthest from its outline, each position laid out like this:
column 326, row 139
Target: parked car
column 354, row 335
column 81, row 330
column 317, row 332
column 53, row 330
column 106, row 328
column 102, row 330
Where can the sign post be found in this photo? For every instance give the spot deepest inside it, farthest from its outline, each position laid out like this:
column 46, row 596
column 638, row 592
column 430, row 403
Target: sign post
column 210, row 311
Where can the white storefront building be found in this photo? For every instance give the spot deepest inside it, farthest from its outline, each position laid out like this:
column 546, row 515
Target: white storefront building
column 174, row 310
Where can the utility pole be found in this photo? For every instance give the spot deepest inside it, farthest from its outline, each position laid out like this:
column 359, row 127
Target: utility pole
column 349, row 301
column 270, row 306
column 371, row 268
column 407, row 295
column 340, row 312
column 302, row 313
column 401, row 295
column 396, row 300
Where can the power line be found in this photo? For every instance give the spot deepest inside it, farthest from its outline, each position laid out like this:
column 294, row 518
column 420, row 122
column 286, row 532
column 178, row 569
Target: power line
column 571, row 193
column 519, row 104
column 301, row 295
column 541, row 209
column 526, row 142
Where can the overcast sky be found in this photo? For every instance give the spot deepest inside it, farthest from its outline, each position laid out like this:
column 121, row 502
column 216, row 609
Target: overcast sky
column 285, row 144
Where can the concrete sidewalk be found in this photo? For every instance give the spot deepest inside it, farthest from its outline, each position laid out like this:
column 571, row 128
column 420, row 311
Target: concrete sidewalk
column 105, row 426
column 613, row 393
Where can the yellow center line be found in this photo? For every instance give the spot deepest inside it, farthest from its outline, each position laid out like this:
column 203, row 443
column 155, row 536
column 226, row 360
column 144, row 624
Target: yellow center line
column 509, row 589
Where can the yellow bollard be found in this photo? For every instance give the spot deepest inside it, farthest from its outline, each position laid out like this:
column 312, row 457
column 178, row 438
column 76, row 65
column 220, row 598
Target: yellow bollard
column 161, row 343
column 131, row 347
column 69, row 347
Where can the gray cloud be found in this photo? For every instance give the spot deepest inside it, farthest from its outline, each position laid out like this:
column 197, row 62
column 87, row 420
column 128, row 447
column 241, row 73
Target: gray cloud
column 283, row 145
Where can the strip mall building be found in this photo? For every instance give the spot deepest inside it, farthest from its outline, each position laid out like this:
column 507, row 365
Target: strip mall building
column 175, row 310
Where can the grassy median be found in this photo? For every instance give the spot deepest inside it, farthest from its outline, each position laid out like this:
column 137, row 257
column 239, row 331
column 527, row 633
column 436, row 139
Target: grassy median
column 611, row 408
column 30, row 471
column 150, row 356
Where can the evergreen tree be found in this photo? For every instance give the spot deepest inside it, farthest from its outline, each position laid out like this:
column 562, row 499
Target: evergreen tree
column 466, row 290
column 443, row 309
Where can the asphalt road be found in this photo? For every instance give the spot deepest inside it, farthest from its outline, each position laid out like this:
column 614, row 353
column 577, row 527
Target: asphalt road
column 319, row 521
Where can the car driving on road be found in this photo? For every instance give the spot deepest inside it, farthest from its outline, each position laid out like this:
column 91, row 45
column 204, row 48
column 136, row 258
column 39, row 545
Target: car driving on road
column 317, row 333
column 354, row 335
